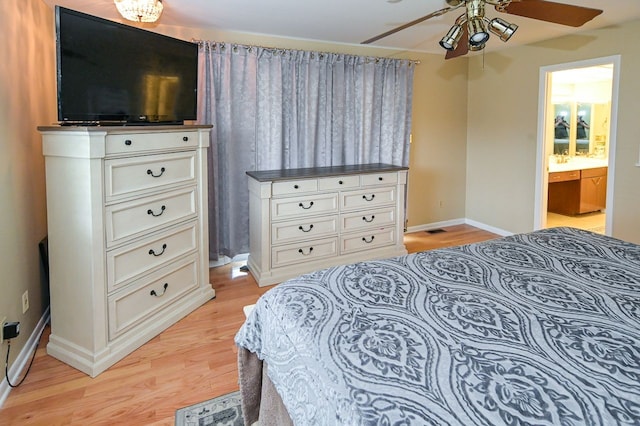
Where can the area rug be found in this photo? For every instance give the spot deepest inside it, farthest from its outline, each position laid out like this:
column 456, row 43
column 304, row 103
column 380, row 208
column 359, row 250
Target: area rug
column 223, row 411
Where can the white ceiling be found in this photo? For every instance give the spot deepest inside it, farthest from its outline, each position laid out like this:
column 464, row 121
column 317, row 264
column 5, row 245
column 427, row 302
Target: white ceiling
column 353, row 21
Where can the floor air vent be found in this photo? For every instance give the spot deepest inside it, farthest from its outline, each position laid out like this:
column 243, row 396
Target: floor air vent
column 435, row 231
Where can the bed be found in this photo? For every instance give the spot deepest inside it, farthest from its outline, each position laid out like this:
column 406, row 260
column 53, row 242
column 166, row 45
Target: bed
column 540, row 328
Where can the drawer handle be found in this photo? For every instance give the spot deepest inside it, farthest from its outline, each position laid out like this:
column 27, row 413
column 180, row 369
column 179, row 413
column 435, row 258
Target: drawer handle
column 369, row 199
column 162, row 170
column 164, row 290
column 128, row 142
column 306, row 208
column 369, row 220
column 380, row 178
column 185, row 138
column 305, row 254
column 306, row 230
column 340, row 182
column 156, row 215
column 295, row 187
column 153, row 253
column 368, row 241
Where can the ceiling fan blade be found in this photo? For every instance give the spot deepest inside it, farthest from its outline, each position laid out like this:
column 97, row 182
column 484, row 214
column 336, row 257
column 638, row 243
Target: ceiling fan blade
column 463, row 45
column 558, row 13
column 410, row 24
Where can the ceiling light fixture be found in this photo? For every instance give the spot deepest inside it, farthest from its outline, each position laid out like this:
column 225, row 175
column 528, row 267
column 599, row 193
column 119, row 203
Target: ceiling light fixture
column 140, row 10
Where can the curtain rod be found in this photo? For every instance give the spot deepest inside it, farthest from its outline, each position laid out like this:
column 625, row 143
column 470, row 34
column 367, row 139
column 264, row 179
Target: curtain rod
column 248, row 46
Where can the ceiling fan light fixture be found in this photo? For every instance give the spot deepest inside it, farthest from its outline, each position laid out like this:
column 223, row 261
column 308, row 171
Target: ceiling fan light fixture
column 478, row 34
column 451, row 39
column 140, row 10
column 476, row 47
column 502, row 28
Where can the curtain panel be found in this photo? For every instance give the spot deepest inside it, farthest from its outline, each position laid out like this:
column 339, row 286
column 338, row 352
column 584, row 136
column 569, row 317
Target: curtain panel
column 274, row 109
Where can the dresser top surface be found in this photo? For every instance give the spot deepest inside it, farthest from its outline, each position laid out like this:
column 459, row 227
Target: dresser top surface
column 315, row 172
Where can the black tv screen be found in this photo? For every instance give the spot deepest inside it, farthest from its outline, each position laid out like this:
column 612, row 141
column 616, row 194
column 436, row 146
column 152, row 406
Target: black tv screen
column 109, row 73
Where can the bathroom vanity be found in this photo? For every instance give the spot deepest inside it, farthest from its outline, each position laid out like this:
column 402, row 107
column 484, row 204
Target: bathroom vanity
column 578, row 186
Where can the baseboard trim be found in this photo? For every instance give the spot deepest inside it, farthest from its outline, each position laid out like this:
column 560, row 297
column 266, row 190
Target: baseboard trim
column 489, row 228
column 460, row 221
column 24, row 357
column 435, row 225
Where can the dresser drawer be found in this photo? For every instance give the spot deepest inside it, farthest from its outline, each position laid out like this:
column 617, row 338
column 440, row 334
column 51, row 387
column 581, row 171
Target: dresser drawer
column 126, row 176
column 594, row 172
column 132, row 143
column 365, row 199
column 299, row 229
column 367, row 240
column 303, row 252
column 130, row 306
column 336, row 183
column 294, row 207
column 134, row 218
column 134, row 260
column 375, row 179
column 292, row 187
column 367, row 219
column 564, row 176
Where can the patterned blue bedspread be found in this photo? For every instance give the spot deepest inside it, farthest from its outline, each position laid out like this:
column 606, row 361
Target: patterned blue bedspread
column 532, row 329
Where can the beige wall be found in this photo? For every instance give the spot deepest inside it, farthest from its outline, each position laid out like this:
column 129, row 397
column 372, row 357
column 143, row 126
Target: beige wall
column 27, row 99
column 502, row 126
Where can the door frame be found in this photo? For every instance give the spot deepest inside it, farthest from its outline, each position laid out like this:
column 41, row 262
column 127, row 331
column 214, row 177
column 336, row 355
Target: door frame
column 542, row 157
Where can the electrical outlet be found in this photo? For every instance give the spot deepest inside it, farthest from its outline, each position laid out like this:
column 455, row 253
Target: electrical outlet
column 2, row 321
column 25, row 301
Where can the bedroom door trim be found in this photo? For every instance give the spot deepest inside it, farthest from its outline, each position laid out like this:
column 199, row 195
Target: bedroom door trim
column 542, row 154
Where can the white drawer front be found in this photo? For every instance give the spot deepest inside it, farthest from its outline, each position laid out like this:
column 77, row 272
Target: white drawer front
column 368, row 219
column 127, row 176
column 375, row 179
column 131, row 143
column 334, row 183
column 303, row 252
column 288, row 208
column 131, row 305
column 367, row 240
column 365, row 199
column 127, row 220
column 133, row 260
column 295, row 230
column 294, row 187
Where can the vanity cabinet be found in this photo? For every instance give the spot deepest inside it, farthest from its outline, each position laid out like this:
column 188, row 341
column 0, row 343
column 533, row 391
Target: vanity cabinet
column 577, row 191
column 593, row 190
column 127, row 234
column 302, row 220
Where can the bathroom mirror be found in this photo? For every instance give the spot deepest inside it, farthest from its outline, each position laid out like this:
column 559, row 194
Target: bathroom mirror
column 583, row 118
column 562, row 128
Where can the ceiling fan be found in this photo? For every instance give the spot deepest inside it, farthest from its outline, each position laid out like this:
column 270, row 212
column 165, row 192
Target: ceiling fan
column 473, row 26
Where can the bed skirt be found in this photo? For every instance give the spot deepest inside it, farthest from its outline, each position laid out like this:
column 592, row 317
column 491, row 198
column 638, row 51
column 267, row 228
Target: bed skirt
column 260, row 400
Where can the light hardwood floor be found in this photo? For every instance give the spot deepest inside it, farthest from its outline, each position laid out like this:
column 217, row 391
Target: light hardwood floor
column 190, row 362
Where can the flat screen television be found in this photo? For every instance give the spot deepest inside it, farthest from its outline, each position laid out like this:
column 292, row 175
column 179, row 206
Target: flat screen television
column 110, row 73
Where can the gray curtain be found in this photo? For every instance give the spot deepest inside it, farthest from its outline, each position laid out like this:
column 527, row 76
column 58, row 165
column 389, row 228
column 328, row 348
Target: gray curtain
column 274, row 109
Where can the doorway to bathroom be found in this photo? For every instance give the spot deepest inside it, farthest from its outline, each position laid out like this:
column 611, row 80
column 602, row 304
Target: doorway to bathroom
column 576, row 142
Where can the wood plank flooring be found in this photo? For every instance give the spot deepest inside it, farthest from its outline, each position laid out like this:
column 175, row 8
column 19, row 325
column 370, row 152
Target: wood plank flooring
column 192, row 361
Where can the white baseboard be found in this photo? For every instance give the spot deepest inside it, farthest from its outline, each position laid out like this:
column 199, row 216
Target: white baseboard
column 452, row 222
column 435, row 225
column 24, row 358
column 489, row 228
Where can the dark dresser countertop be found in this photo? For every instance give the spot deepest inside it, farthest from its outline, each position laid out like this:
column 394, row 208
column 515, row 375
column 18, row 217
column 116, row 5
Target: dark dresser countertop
column 315, row 172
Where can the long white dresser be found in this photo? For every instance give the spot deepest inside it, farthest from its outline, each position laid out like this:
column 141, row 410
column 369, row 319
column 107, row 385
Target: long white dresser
column 128, row 236
column 302, row 220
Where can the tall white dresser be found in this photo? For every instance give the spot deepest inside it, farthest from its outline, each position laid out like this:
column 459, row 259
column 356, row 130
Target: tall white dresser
column 128, row 236
column 306, row 219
